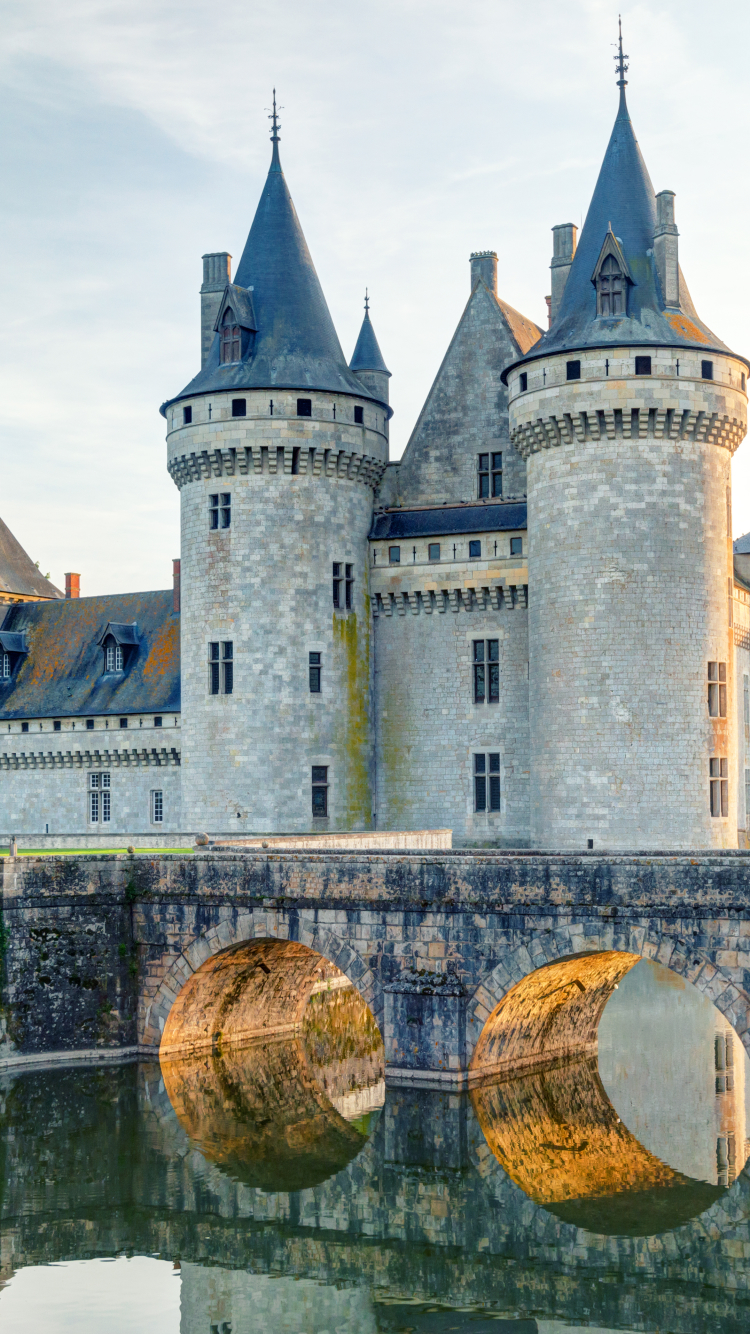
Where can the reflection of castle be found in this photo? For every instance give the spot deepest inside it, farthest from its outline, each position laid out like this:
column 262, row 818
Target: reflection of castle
column 230, row 1301
column 732, row 1147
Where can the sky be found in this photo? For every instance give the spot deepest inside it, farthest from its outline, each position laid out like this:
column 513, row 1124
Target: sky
column 135, row 138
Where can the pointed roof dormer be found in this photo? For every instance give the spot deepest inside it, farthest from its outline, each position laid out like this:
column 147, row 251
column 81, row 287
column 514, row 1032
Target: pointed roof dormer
column 295, row 344
column 367, row 355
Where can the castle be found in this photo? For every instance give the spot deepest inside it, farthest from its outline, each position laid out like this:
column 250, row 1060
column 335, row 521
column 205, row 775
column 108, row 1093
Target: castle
column 530, row 629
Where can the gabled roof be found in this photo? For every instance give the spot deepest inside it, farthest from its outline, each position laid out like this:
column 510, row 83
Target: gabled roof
column 525, row 331
column 122, row 634
column 612, row 247
column 241, row 302
column 19, row 576
column 445, row 520
column 367, row 355
column 62, row 675
column 296, row 345
column 11, row 643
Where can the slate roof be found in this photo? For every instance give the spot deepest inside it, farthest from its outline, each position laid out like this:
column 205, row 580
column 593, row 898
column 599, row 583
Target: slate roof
column 446, row 520
column 19, row 576
column 62, row 676
column 367, row 355
column 296, row 345
column 741, row 545
column 525, row 332
column 624, row 197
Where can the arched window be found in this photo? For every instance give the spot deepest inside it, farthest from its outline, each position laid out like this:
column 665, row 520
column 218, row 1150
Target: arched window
column 230, row 337
column 610, row 289
column 113, row 658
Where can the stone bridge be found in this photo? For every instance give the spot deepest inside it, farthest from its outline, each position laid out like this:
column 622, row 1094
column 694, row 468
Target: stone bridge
column 471, row 962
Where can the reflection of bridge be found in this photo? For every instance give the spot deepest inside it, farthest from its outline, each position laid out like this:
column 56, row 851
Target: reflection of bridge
column 201, row 950
column 423, row 1210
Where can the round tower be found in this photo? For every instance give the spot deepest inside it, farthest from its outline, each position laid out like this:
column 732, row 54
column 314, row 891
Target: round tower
column 628, row 411
column 277, row 448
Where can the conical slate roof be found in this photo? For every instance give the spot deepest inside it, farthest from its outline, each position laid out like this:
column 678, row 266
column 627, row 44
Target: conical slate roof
column 367, row 355
column 624, row 197
column 19, row 576
column 296, row 345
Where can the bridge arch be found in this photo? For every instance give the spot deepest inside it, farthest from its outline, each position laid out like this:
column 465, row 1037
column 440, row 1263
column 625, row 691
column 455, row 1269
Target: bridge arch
column 544, row 1000
column 246, row 978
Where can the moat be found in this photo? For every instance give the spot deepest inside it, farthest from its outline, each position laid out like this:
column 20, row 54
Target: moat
column 280, row 1186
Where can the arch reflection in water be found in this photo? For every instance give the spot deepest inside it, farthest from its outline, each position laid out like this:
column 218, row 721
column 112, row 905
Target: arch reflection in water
column 286, row 1114
column 680, row 1140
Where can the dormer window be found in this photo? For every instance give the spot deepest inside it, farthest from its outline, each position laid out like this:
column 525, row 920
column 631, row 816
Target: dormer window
column 610, row 290
column 5, row 667
column 119, row 643
column 113, row 659
column 12, row 649
column 230, row 337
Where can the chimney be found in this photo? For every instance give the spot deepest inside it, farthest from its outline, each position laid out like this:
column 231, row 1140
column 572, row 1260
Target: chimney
column 72, row 585
column 217, row 272
column 484, row 266
column 175, row 585
column 665, row 249
column 565, row 236
column 548, row 300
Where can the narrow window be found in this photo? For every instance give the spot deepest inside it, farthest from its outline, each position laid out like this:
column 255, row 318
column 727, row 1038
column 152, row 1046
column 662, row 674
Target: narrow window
column 214, row 678
column 480, row 783
column 643, row 365
column 523, row 382
column 187, row 416
column 359, row 416
column 57, row 725
column 486, row 655
column 493, row 671
column 213, row 511
column 433, row 551
column 337, row 583
column 349, row 587
column 610, row 292
column 239, row 407
column 747, row 798
column 123, row 723
column 746, row 706
column 94, row 805
column 394, row 555
column 719, row 787
column 230, row 337
column 743, row 381
column 106, row 798
column 707, row 370
column 157, row 807
column 497, row 474
column 475, row 550
column 516, row 546
column 319, row 790
column 314, row 673
column 494, row 765
column 89, row 724
column 5, row 664
column 573, row 370
column 304, row 407
column 24, row 727
column 480, row 670
column 157, row 721
column 227, row 664
column 483, row 476
column 717, row 690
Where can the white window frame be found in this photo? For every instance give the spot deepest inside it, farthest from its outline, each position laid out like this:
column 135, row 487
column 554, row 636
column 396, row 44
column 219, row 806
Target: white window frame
column 113, row 657
column 100, row 798
column 5, row 665
column 157, row 806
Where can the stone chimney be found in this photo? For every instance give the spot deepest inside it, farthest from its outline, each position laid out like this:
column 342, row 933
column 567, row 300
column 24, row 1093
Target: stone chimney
column 565, row 236
column 665, row 249
column 484, row 266
column 175, row 585
column 72, row 585
column 217, row 272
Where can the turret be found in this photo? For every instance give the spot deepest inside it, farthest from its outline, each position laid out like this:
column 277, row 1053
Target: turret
column 628, row 411
column 367, row 359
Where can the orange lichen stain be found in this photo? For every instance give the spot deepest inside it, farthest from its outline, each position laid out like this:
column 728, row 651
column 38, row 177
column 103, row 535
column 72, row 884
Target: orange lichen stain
column 164, row 652
column 683, row 326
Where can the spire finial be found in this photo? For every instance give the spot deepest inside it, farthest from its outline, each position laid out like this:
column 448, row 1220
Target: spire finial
column 367, row 303
column 620, row 61
column 274, row 116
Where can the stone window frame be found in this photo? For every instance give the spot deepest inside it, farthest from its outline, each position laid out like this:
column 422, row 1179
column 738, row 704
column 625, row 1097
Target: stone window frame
column 485, row 684
column 221, row 667
column 490, row 475
column 320, row 786
column 315, row 671
column 219, row 511
column 486, row 796
column 99, row 797
column 230, row 339
column 717, row 689
column 718, row 787
column 156, row 803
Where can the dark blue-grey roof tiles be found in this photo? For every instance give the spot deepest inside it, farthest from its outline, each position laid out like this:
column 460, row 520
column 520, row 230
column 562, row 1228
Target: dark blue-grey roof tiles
column 367, row 355
column 63, row 675
column 448, row 520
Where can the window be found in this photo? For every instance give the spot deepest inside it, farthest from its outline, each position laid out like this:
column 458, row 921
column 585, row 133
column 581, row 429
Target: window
column 337, row 583
column 24, row 727
column 89, row 724
column 516, row 546
column 220, row 510
column 746, row 705
column 157, row 721
column 724, row 1062
column 487, row 767
column 304, row 407
column 475, row 550
column 113, row 656
column 486, row 653
column 319, row 790
column 230, row 337
column 157, row 807
column 743, row 381
column 573, row 370
column 433, row 551
column 490, row 475
column 221, row 667
column 123, row 722
column 5, row 666
column 57, row 725
column 610, row 300
column 523, row 382
column 349, row 586
column 239, row 407
column 314, row 672
column 99, row 798
column 187, row 416
column 747, row 799
column 707, row 370
column 719, row 787
column 359, row 416
column 394, row 555
column 717, row 690
column 642, row 365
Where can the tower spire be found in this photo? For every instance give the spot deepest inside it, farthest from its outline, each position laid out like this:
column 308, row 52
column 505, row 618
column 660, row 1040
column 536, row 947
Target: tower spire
column 367, row 304
column 621, row 64
column 273, row 116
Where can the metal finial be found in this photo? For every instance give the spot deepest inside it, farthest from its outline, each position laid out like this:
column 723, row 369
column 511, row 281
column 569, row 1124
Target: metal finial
column 620, row 59
column 274, row 116
column 367, row 303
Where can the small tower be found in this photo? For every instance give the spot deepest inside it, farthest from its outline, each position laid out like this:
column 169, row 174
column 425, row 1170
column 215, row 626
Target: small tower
column 277, row 448
column 628, row 411
column 367, row 359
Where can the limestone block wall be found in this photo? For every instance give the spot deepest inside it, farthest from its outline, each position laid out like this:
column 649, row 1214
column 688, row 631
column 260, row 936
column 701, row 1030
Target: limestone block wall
column 741, row 635
column 301, row 499
column 629, row 514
